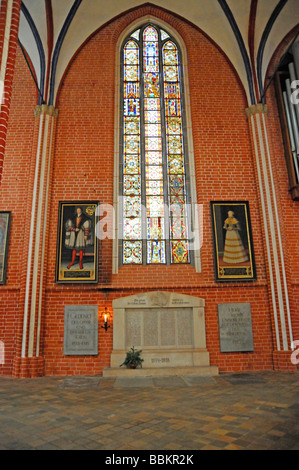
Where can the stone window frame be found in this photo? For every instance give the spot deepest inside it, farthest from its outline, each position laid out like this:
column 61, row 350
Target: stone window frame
column 148, row 19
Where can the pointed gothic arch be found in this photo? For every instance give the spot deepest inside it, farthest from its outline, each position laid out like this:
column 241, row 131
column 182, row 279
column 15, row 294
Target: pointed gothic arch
column 173, row 36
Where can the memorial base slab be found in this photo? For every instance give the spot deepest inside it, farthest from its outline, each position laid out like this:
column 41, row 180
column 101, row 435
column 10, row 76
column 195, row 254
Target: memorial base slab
column 208, row 371
column 166, row 358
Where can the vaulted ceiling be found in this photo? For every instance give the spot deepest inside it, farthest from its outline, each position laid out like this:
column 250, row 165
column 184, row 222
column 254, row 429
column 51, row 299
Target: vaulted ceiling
column 247, row 31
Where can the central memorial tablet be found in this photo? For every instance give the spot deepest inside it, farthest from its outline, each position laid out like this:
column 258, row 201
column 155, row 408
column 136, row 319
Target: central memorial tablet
column 159, row 327
column 168, row 327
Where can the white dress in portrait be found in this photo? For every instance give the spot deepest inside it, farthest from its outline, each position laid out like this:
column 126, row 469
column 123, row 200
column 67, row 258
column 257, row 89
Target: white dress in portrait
column 234, row 251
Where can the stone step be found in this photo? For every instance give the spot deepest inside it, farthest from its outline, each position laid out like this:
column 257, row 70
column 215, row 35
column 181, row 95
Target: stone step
column 161, row 371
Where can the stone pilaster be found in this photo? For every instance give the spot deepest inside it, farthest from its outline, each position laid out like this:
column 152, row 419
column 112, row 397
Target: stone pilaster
column 272, row 226
column 29, row 357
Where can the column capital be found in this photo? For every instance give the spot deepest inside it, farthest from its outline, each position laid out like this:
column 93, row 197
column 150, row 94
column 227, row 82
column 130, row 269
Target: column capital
column 45, row 109
column 256, row 109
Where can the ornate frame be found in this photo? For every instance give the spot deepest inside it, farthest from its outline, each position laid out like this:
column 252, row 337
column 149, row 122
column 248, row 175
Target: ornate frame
column 233, row 245
column 5, row 218
column 68, row 266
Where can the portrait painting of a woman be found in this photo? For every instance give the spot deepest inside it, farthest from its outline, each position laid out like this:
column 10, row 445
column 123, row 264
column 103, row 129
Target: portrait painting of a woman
column 234, row 251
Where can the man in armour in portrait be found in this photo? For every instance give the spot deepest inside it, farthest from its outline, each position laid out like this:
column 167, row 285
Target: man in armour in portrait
column 78, row 235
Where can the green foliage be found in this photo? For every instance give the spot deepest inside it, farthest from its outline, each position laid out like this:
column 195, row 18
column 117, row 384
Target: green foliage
column 133, row 358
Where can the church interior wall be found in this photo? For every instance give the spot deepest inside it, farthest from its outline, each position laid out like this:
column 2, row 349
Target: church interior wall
column 83, row 169
column 13, row 197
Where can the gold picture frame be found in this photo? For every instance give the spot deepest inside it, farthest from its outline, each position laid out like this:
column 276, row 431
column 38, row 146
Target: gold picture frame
column 4, row 236
column 77, row 243
column 233, row 245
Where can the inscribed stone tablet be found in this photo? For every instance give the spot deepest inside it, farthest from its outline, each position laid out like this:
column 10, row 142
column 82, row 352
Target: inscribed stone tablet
column 184, row 320
column 150, row 328
column 80, row 330
column 235, row 327
column 133, row 327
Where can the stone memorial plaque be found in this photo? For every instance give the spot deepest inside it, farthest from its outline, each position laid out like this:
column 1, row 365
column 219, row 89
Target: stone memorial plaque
column 168, row 327
column 133, row 328
column 185, row 333
column 235, row 327
column 159, row 327
column 150, row 328
column 168, row 337
column 80, row 330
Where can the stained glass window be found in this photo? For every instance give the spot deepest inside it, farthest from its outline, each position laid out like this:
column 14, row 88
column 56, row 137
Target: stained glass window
column 153, row 157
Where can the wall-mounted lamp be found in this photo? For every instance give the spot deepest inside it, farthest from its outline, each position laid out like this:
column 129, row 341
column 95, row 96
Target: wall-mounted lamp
column 105, row 315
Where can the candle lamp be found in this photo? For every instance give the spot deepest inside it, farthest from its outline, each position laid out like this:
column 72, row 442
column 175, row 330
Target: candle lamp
column 105, row 316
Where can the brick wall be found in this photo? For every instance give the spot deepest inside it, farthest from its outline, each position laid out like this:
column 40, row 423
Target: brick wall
column 13, row 197
column 9, row 66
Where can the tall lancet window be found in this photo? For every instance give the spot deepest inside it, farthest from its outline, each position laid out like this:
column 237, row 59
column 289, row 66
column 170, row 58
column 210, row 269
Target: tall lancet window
column 154, row 182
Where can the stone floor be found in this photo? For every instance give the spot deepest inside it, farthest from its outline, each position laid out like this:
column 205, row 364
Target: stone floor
column 229, row 411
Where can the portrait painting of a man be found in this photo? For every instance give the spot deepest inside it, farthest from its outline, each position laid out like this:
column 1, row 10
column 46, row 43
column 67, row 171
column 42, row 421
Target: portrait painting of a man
column 77, row 249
